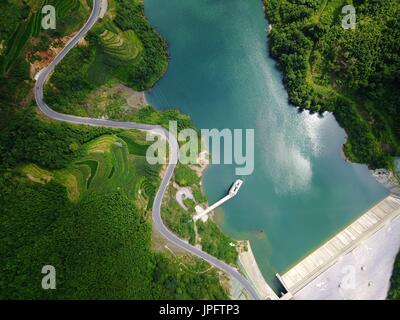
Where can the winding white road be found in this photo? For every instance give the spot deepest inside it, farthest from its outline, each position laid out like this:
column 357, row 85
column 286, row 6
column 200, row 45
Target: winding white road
column 41, row 78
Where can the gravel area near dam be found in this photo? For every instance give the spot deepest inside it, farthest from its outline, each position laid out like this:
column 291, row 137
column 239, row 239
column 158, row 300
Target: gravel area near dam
column 362, row 274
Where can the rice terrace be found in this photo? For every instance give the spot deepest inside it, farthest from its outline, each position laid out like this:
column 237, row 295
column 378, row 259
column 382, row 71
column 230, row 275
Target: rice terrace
column 110, row 162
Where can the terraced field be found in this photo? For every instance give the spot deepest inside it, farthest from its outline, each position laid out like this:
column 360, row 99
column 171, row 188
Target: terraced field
column 109, row 163
column 122, row 46
column 32, row 27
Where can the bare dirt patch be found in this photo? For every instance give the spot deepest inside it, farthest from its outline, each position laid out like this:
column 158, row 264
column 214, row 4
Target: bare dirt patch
column 43, row 58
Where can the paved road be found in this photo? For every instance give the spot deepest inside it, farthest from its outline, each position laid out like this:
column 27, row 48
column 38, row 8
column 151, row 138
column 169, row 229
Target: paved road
column 41, row 78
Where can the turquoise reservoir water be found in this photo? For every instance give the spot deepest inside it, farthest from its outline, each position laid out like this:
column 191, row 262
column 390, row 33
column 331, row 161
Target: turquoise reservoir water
column 302, row 191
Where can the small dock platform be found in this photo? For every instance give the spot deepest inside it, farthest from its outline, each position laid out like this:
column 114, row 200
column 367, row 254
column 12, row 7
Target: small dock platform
column 232, row 192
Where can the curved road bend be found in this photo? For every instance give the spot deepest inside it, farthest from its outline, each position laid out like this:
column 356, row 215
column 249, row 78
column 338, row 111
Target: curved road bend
column 41, row 78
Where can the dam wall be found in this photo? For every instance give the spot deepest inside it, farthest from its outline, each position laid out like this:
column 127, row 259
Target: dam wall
column 342, row 243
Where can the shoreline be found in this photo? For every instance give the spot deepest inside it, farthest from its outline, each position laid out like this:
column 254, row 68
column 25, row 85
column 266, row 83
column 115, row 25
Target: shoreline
column 246, row 260
column 249, row 266
column 387, row 179
column 299, row 105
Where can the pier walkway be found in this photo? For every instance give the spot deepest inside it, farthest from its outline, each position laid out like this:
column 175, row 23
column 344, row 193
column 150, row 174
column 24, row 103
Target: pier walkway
column 232, row 192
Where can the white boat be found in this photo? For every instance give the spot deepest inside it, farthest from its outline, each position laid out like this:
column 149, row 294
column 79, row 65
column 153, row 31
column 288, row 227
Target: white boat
column 235, row 187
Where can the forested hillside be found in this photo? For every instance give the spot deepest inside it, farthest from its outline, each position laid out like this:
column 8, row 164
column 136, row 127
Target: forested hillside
column 122, row 48
column 78, row 197
column 353, row 73
column 21, row 37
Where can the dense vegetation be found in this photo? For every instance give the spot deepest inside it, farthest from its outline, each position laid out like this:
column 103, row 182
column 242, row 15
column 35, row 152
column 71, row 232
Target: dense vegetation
column 216, row 243
column 122, row 48
column 178, row 220
column 21, row 37
column 100, row 248
column 14, row 36
column 353, row 73
column 100, row 242
column 28, row 139
column 151, row 64
column 93, row 245
column 184, row 176
column 78, row 197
